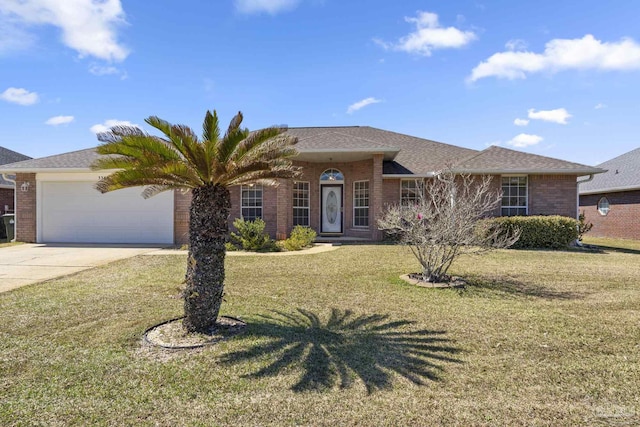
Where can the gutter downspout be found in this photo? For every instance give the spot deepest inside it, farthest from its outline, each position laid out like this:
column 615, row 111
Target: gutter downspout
column 579, row 243
column 15, row 203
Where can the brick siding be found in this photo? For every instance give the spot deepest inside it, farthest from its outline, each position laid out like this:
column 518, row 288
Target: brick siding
column 623, row 219
column 6, row 200
column 553, row 195
column 26, row 202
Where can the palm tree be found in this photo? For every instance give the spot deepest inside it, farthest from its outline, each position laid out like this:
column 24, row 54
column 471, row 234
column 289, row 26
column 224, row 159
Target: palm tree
column 207, row 167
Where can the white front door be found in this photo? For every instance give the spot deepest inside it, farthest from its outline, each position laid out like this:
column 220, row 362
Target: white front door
column 331, row 209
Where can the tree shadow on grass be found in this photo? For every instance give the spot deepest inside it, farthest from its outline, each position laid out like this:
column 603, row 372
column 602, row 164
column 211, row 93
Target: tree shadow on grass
column 519, row 289
column 345, row 348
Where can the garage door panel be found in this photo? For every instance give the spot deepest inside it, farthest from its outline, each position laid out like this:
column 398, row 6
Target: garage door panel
column 77, row 213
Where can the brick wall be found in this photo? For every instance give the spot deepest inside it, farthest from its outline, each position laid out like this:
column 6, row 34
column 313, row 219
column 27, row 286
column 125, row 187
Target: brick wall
column 553, row 195
column 26, row 208
column 623, row 219
column 352, row 171
column 6, row 199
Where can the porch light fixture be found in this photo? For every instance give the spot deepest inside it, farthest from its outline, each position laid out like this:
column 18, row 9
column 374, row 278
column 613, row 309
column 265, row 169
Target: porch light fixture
column 25, row 187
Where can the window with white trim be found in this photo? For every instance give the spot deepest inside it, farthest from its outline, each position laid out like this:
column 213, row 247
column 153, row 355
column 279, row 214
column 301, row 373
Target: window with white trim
column 514, row 195
column 603, row 206
column 301, row 203
column 410, row 191
column 251, row 202
column 361, row 204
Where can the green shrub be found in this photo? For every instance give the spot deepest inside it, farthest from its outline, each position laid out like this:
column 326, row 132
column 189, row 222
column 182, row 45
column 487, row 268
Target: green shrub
column 539, row 232
column 300, row 238
column 583, row 226
column 251, row 235
column 230, row 247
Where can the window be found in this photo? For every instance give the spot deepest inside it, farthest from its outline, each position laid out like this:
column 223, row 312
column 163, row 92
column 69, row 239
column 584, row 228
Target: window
column 332, row 175
column 251, row 202
column 410, row 191
column 603, row 206
column 361, row 204
column 514, row 195
column 301, row 203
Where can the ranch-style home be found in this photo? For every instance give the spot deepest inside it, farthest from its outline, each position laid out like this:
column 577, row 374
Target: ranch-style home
column 349, row 175
column 611, row 201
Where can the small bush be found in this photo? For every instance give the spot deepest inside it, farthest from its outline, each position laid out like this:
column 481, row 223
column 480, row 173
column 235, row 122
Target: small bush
column 300, row 238
column 539, row 232
column 230, row 247
column 251, row 235
column 583, row 226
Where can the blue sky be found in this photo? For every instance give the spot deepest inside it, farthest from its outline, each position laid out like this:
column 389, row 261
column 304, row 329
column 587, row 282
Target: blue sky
column 556, row 78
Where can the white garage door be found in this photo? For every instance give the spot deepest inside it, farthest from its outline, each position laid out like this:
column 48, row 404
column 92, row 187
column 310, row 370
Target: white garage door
column 75, row 212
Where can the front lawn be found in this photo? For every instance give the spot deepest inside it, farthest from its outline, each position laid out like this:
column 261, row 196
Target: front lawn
column 537, row 338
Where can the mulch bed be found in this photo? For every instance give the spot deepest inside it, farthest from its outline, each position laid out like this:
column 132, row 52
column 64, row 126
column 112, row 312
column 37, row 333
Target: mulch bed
column 171, row 334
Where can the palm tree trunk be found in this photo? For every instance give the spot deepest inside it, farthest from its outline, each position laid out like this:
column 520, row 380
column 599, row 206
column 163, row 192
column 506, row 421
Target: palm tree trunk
column 208, row 231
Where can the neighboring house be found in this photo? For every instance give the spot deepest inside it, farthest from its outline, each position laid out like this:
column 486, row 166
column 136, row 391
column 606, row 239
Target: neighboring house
column 611, row 201
column 7, row 185
column 349, row 175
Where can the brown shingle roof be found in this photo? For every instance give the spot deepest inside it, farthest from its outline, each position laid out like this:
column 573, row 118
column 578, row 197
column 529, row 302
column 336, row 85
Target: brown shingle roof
column 414, row 155
column 503, row 160
column 79, row 160
column 404, row 154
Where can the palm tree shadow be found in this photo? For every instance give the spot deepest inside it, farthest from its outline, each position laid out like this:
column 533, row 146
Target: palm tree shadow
column 345, row 348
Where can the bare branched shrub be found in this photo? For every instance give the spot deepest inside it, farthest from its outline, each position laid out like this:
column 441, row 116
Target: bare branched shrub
column 445, row 222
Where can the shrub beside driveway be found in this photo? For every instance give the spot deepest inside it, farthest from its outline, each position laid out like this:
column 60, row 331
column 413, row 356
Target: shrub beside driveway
column 538, row 338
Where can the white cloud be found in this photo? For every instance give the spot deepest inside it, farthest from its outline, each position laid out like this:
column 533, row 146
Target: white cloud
column 101, row 70
column 428, row 35
column 600, row 106
column 524, row 140
column 88, row 26
column 108, row 124
column 521, row 122
column 271, row 7
column 516, row 45
column 12, row 37
column 59, row 120
column 19, row 96
column 361, row 104
column 562, row 54
column 559, row 115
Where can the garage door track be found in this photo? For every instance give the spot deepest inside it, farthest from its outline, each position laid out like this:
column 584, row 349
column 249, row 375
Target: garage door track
column 25, row 264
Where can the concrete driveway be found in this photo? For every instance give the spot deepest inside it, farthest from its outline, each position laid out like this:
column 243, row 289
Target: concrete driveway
column 25, row 264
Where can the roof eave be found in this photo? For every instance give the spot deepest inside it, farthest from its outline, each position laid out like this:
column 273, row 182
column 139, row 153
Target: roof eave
column 389, row 153
column 578, row 172
column 408, row 175
column 47, row 170
column 610, row 190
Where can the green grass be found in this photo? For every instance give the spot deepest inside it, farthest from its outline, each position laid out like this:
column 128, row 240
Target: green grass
column 538, row 338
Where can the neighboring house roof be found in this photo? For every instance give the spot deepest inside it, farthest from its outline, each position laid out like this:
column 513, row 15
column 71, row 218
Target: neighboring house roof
column 623, row 173
column 404, row 155
column 9, row 156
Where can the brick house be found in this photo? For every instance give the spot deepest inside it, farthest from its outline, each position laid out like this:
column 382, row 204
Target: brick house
column 349, row 175
column 7, row 185
column 611, row 200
